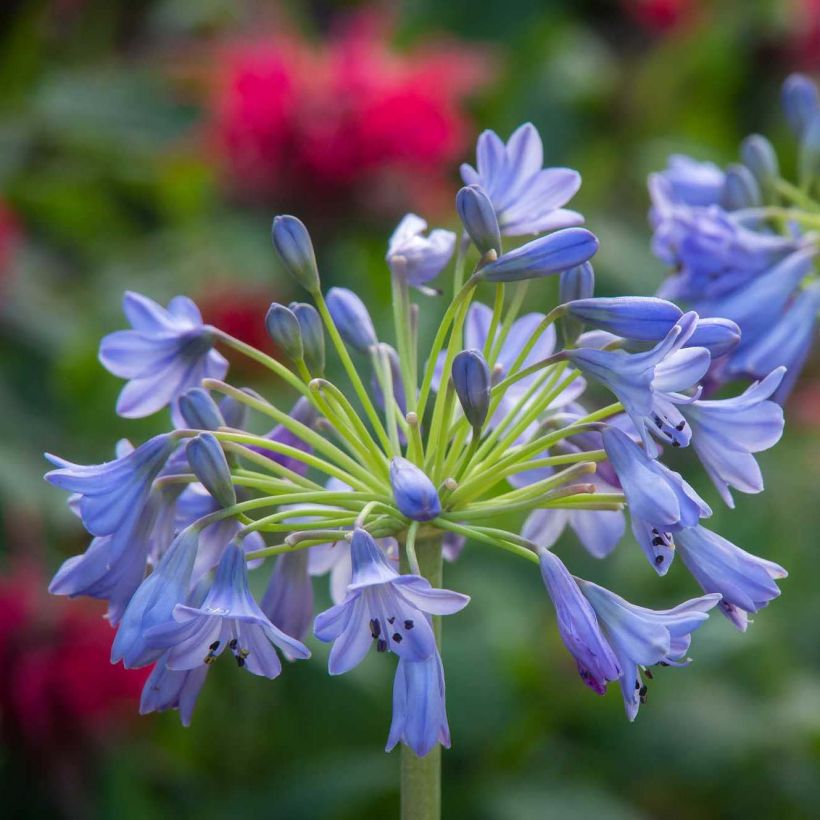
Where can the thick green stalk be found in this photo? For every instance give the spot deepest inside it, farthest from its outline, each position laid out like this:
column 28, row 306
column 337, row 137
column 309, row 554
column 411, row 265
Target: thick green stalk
column 421, row 776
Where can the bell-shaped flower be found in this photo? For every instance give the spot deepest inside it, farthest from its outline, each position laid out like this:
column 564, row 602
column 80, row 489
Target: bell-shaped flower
column 419, row 708
column 578, row 625
column 660, row 501
column 415, row 495
column 725, row 433
column 228, row 618
column 113, row 492
column 528, row 198
column 416, row 258
column 288, row 599
column 384, row 608
column 153, row 603
column 746, row 582
column 644, row 637
column 167, row 352
column 172, row 689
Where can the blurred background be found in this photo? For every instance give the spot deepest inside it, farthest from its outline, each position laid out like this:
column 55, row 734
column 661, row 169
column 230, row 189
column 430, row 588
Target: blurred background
column 146, row 145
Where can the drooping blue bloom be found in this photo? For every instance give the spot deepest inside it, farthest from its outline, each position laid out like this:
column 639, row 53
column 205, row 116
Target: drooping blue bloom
column 725, row 433
column 471, row 380
column 313, row 336
column 113, row 492
column 288, row 600
column 167, row 352
column 553, row 253
column 479, row 219
column 644, row 318
column 644, row 637
column 172, row 689
column 293, row 244
column 352, row 319
column 414, row 493
column 528, row 198
column 229, row 618
column 284, row 330
column 384, row 608
column 578, row 625
column 208, row 463
column 746, row 582
column 660, row 501
column 416, row 258
column 419, row 708
column 153, row 603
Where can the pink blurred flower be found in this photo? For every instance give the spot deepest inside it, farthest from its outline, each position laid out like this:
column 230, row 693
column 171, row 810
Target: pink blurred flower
column 804, row 32
column 323, row 123
column 10, row 237
column 661, row 16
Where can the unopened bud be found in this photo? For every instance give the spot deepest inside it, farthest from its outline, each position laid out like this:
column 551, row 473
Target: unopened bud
column 479, row 219
column 209, row 465
column 351, row 319
column 283, row 328
column 199, row 410
column 292, row 242
column 471, row 380
column 313, row 336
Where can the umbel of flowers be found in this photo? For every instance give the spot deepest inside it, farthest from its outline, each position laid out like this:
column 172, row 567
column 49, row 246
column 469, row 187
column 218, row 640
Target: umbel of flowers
column 372, row 483
column 743, row 242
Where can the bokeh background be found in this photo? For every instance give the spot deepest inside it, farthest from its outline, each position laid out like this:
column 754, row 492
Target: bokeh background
column 145, row 144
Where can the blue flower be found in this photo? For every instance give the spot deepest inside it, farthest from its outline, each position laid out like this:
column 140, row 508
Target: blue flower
column 578, row 625
column 288, row 600
column 167, row 352
column 414, row 493
column 154, row 601
column 384, row 608
column 527, row 197
column 114, row 492
column 172, row 689
column 471, row 380
column 228, row 618
column 416, row 258
column 642, row 637
column 725, row 433
column 419, row 709
column 689, row 182
column 746, row 582
column 660, row 501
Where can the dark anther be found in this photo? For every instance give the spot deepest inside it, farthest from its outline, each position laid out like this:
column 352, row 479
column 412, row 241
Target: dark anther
column 658, row 423
column 214, row 646
column 240, row 661
column 658, row 559
column 381, row 645
column 375, row 628
column 642, row 691
column 648, row 673
column 654, row 531
column 675, row 443
column 657, row 541
column 662, row 663
column 680, row 427
column 396, row 637
column 637, row 684
column 391, row 620
column 408, row 624
column 233, row 643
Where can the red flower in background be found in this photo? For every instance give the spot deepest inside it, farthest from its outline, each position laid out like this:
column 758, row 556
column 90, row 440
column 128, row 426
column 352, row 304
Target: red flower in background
column 10, row 236
column 325, row 123
column 804, row 25
column 661, row 16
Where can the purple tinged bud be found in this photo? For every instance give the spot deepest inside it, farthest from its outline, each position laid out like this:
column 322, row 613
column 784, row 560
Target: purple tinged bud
column 208, row 462
column 313, row 336
column 234, row 412
column 292, row 242
column 415, row 494
column 553, row 253
column 478, row 216
column 471, row 380
column 352, row 319
column 760, row 158
column 718, row 336
column 740, row 189
column 283, row 328
column 800, row 101
column 199, row 410
column 576, row 283
column 643, row 318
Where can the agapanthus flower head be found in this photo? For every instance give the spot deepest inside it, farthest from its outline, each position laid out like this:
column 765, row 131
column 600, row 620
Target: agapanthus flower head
column 167, row 352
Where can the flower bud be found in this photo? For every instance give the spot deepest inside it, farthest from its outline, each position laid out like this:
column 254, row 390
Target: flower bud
column 415, row 495
column 352, row 319
column 576, row 283
column 234, row 412
column 808, row 160
column 718, row 336
column 199, row 410
column 643, row 318
column 740, row 189
column 800, row 102
column 553, row 253
column 292, row 242
column 479, row 219
column 283, row 328
column 209, row 465
column 471, row 380
column 313, row 336
column 759, row 157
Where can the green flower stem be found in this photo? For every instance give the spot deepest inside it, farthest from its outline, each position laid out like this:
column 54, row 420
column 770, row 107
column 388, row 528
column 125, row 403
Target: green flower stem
column 415, row 445
column 410, row 548
column 437, row 444
column 796, row 195
column 384, row 376
column 461, row 258
column 408, row 355
column 421, row 776
column 553, row 461
column 548, row 499
column 498, row 307
column 234, row 511
column 811, row 220
column 519, row 294
column 351, row 371
column 479, row 535
column 457, row 440
column 268, row 465
column 554, row 314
